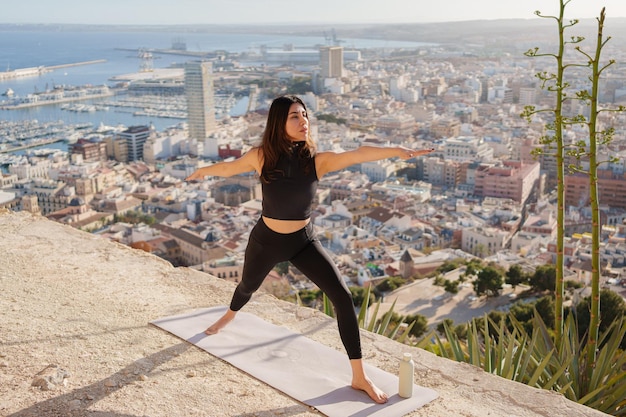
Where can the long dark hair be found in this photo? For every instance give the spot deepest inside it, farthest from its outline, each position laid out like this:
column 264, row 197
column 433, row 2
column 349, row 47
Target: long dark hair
column 275, row 142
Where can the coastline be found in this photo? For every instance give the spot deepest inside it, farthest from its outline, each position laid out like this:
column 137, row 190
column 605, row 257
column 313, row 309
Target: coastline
column 40, row 70
column 43, row 142
column 56, row 101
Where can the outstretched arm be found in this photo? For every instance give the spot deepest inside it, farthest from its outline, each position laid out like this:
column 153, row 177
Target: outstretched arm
column 331, row 161
column 246, row 163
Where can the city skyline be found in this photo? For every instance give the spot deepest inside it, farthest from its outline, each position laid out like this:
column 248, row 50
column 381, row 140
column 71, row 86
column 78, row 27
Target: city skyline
column 161, row 12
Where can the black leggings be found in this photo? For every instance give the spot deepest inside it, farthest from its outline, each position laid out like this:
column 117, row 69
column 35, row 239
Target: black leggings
column 266, row 248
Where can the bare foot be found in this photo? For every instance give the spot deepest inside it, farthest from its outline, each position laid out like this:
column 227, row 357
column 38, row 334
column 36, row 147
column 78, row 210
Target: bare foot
column 361, row 382
column 372, row 390
column 221, row 322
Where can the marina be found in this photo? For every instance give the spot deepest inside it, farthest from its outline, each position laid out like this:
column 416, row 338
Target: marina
column 59, row 95
column 16, row 136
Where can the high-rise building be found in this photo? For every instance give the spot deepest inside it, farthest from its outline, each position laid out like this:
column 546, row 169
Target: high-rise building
column 527, row 96
column 331, row 61
column 200, row 100
column 134, row 137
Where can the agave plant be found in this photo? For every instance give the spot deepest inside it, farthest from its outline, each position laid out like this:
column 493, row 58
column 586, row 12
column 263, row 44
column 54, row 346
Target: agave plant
column 535, row 360
column 383, row 326
column 532, row 359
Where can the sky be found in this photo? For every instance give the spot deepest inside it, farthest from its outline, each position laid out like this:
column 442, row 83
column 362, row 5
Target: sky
column 162, row 12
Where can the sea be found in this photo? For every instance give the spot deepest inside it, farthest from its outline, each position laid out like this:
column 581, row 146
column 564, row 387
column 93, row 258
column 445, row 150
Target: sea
column 33, row 48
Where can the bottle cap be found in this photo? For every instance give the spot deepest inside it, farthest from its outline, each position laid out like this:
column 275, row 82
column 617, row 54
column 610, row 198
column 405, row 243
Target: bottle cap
column 407, row 356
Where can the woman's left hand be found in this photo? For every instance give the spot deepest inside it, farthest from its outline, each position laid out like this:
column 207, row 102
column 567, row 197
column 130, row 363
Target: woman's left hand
column 412, row 153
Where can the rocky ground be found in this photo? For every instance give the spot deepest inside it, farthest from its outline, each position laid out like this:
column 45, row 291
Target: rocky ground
column 75, row 340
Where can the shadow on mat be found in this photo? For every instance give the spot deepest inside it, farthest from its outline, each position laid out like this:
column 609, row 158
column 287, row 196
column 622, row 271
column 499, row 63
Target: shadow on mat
column 87, row 396
column 294, row 410
column 340, row 394
column 236, row 350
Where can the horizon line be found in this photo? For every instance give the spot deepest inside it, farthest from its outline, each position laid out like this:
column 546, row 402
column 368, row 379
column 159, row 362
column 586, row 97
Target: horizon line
column 291, row 23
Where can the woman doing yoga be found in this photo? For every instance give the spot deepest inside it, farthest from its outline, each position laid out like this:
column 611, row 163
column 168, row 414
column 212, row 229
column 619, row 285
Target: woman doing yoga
column 289, row 168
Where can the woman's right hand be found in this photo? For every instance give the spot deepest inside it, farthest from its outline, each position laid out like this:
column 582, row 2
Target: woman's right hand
column 195, row 176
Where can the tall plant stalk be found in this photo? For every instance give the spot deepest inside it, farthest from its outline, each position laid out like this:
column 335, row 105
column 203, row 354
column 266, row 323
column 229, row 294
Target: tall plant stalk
column 557, row 84
column 596, row 138
column 554, row 142
column 594, row 323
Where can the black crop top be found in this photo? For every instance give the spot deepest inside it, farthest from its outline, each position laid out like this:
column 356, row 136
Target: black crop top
column 290, row 192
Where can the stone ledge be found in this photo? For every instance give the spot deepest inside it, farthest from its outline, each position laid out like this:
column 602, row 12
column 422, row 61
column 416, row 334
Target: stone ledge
column 72, row 300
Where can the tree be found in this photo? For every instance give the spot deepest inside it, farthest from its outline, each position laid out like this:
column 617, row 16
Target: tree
column 480, row 250
column 515, row 276
column 545, row 308
column 446, row 322
column 524, row 313
column 451, row 286
column 450, row 265
column 300, row 85
column 472, row 267
column 390, row 284
column 421, row 324
column 331, row 118
column 613, row 308
column 359, row 294
column 439, row 280
column 495, row 319
column 309, row 297
column 489, row 281
column 544, row 278
column 282, row 267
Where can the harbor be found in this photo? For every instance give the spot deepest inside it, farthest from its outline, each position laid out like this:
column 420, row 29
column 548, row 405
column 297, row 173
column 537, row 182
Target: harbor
column 17, row 136
column 59, row 95
column 40, row 70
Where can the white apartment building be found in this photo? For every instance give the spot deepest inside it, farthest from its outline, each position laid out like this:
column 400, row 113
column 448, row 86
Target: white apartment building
column 51, row 195
column 383, row 218
column 228, row 268
column 467, row 148
column 527, row 96
column 396, row 122
column 500, row 94
column 378, row 171
column 8, row 180
column 163, row 146
column 31, row 170
column 401, row 91
column 484, row 241
column 441, row 172
column 524, row 243
column 334, row 221
column 420, row 191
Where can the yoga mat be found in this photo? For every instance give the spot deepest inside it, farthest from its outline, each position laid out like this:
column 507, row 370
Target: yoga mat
column 306, row 370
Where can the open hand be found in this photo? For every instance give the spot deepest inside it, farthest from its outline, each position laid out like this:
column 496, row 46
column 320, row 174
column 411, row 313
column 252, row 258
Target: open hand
column 412, row 153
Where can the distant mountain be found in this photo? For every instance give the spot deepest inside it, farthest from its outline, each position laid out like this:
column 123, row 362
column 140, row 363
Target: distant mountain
column 473, row 31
